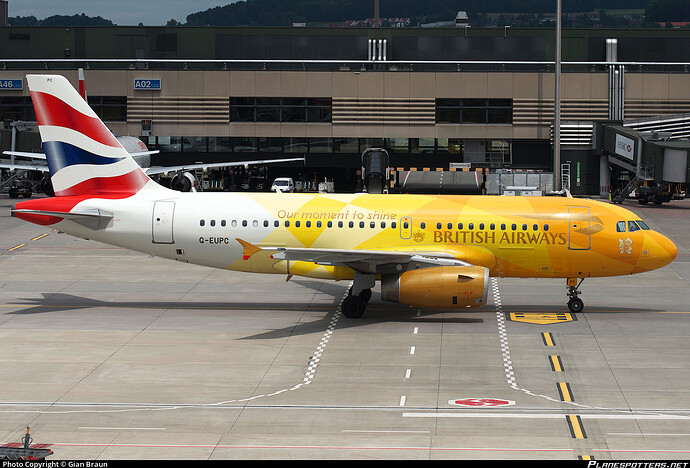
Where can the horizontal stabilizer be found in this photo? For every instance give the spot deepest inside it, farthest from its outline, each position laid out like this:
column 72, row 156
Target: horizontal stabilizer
column 93, row 219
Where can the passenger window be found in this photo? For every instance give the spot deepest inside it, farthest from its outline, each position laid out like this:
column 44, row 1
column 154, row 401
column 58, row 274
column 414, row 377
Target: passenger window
column 535, row 227
column 372, row 224
column 459, row 226
column 422, row 225
column 265, row 223
column 233, row 223
column 546, row 227
column 503, row 227
column 406, row 225
column 308, row 223
column 213, row 222
column 201, row 222
column 642, row 224
column 244, row 223
column 632, row 226
column 383, row 224
column 276, row 223
column 296, row 223
column 222, row 223
column 318, row 224
column 287, row 223
column 329, row 224
column 524, row 227
column 481, row 226
column 393, row 225
column 513, row 227
column 438, row 226
column 340, row 224
column 470, row 226
column 255, row 223
column 450, row 226
column 351, row 224
column 492, row 226
column 620, row 226
column 361, row 224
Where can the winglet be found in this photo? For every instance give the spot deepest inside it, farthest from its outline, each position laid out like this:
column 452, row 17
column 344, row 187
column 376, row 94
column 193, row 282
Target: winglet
column 248, row 249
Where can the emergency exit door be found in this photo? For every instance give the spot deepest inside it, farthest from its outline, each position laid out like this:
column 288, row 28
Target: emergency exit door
column 405, row 228
column 163, row 214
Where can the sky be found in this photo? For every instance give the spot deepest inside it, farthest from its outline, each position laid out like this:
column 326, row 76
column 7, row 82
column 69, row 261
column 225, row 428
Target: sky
column 120, row 12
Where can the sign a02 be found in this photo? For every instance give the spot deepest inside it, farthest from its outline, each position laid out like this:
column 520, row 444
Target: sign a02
column 148, row 84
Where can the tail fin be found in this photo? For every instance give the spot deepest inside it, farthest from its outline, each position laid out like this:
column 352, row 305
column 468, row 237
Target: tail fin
column 84, row 157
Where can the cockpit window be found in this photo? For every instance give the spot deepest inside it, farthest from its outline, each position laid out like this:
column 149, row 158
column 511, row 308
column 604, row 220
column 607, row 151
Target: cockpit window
column 620, row 226
column 643, row 225
column 632, row 226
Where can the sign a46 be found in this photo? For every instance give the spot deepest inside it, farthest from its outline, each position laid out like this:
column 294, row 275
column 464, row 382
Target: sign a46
column 12, row 84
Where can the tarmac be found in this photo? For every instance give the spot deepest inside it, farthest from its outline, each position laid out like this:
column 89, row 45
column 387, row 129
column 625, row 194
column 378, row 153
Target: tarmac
column 110, row 354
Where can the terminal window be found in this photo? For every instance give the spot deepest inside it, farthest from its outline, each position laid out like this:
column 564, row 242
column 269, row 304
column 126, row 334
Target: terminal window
column 17, row 108
column 109, row 108
column 474, row 111
column 280, row 109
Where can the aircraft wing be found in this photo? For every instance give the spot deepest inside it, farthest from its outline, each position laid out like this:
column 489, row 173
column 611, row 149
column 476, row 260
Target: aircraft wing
column 43, row 156
column 360, row 260
column 188, row 167
column 143, row 153
column 25, row 166
column 25, row 154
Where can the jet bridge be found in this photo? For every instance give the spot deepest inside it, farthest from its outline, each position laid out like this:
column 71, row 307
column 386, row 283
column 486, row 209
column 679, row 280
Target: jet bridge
column 646, row 163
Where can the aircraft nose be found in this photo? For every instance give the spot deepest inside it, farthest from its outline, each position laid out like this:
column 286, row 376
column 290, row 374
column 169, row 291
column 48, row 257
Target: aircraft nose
column 668, row 249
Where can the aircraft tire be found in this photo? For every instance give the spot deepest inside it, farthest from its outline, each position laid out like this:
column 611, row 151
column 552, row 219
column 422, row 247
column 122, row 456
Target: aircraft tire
column 365, row 295
column 576, row 305
column 353, row 306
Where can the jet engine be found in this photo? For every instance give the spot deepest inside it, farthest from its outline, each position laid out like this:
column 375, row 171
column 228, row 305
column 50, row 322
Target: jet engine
column 183, row 182
column 438, row 287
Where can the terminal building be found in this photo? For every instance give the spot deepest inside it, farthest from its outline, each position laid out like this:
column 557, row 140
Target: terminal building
column 437, row 99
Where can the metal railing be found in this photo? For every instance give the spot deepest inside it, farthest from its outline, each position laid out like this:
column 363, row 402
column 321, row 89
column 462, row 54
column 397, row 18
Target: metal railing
column 338, row 65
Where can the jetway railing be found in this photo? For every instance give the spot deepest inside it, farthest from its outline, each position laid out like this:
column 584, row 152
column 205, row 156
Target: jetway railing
column 374, row 62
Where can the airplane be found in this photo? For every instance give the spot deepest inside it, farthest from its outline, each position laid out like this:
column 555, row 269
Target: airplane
column 183, row 180
column 427, row 251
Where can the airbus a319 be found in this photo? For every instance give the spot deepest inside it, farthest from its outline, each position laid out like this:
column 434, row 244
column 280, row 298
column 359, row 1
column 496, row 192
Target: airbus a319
column 427, row 251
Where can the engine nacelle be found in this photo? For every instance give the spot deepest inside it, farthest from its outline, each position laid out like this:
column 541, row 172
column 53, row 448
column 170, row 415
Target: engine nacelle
column 438, row 287
column 185, row 182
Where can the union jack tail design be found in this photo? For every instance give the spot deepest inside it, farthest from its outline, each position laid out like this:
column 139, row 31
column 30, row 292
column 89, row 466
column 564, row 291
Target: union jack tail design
column 84, row 157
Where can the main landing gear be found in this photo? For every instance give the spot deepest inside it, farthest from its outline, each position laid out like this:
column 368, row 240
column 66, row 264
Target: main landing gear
column 355, row 303
column 575, row 304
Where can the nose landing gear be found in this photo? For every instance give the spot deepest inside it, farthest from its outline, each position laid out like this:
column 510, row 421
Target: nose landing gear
column 575, row 304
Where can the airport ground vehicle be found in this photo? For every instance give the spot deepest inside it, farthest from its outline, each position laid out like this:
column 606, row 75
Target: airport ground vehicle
column 284, row 184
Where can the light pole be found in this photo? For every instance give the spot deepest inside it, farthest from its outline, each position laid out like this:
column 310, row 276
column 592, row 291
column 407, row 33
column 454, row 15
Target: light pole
column 557, row 106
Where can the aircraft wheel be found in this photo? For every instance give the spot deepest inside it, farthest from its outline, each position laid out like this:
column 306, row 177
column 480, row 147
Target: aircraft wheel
column 353, row 306
column 365, row 294
column 576, row 305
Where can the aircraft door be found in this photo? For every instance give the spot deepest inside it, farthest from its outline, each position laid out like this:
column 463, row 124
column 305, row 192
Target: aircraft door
column 578, row 228
column 163, row 214
column 406, row 227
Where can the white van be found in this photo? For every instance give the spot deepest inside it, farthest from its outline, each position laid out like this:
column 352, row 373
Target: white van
column 284, row 184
